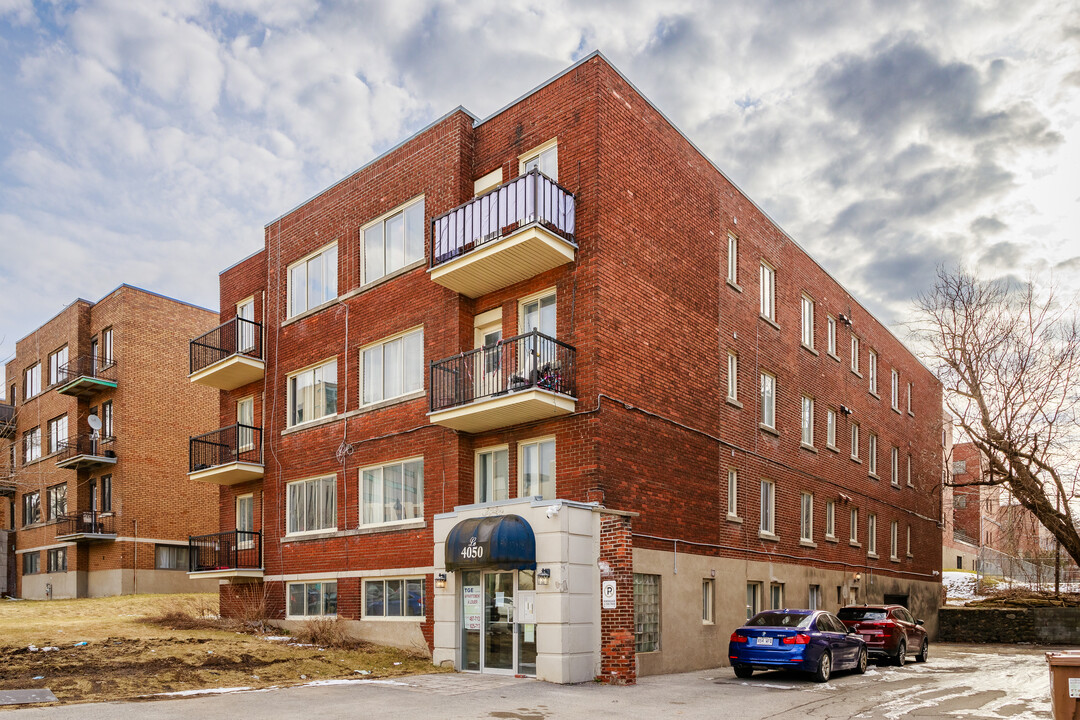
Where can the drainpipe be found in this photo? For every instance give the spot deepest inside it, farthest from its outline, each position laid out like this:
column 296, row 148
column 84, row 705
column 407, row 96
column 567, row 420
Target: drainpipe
column 135, row 563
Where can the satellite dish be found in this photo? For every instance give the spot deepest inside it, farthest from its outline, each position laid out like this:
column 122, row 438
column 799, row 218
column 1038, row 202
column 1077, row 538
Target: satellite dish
column 94, row 421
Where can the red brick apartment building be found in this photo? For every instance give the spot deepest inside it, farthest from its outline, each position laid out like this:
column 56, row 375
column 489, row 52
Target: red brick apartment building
column 93, row 449
column 545, row 393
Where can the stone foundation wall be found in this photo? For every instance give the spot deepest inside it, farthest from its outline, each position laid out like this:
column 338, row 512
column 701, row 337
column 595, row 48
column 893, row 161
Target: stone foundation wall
column 1050, row 626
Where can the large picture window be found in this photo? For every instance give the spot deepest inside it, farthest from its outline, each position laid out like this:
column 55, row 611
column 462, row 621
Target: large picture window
column 313, row 393
column 171, row 557
column 313, row 280
column 31, row 445
column 394, row 241
column 536, row 461
column 393, row 492
column 393, row 367
column 32, row 381
column 31, row 563
column 312, row 599
column 394, row 598
column 312, row 505
column 31, row 508
column 57, row 361
column 57, row 560
column 58, row 433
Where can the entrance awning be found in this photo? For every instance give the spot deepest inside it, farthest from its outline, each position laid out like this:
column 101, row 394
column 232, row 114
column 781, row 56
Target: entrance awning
column 503, row 543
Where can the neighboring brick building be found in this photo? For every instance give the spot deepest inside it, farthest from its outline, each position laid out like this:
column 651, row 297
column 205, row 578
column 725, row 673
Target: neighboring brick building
column 106, row 511
column 533, row 433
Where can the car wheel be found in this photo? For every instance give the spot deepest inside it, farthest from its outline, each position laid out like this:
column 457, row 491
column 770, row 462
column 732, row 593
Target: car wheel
column 901, row 654
column 924, row 651
column 824, row 668
column 743, row 671
column 860, row 665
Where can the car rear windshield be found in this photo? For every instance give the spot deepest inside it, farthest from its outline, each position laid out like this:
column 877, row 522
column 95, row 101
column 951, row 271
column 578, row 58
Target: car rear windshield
column 781, row 619
column 861, row 614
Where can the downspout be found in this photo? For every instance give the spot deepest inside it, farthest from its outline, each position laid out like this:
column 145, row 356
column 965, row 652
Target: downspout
column 135, row 563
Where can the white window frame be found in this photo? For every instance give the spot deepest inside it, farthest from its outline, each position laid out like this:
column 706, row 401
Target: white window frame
column 871, row 453
column 733, row 376
column 830, row 519
column 708, row 599
column 538, row 298
column 57, row 359
column 872, row 371
column 32, row 381
column 767, row 400
column 308, row 304
column 909, row 484
column 767, row 525
column 57, row 432
column 909, row 541
column 909, row 389
column 895, row 390
column 806, row 517
column 490, row 449
column 522, row 470
column 871, row 534
column 854, row 441
column 807, row 421
column 290, row 404
column 417, row 508
column 405, row 580
column 853, row 525
column 548, row 150
column 808, row 321
column 107, row 357
column 830, row 428
column 733, row 493
column 32, row 445
column 403, row 369
column 245, row 436
column 289, row 505
column 776, row 596
column 406, row 211
column 245, row 332
column 855, row 354
column 894, row 541
column 767, row 291
column 322, row 599
column 248, row 541
column 814, row 597
column 733, row 259
column 895, row 466
column 831, row 332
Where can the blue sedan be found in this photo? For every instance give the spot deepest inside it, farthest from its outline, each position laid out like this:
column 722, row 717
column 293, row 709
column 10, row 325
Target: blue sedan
column 812, row 641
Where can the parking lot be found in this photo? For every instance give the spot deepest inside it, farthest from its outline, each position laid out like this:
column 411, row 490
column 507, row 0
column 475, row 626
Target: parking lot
column 963, row 681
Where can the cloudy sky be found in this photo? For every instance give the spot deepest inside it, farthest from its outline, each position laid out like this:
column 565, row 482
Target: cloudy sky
column 149, row 142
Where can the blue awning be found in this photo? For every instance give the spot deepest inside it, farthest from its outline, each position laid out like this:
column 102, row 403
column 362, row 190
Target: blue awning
column 501, row 543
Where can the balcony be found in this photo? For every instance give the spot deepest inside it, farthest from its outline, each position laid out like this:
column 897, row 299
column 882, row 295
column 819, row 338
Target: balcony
column 86, row 453
column 520, row 379
column 233, row 554
column 86, row 375
column 515, row 232
column 228, row 356
column 227, row 456
column 7, row 421
column 86, row 526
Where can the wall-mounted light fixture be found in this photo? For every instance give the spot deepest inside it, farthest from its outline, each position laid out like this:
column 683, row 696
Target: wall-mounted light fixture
column 846, row 410
column 856, row 578
column 544, row 576
column 553, row 510
column 440, row 580
column 844, row 319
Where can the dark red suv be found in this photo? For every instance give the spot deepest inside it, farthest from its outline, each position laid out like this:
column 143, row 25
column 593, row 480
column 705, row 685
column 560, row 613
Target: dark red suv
column 889, row 631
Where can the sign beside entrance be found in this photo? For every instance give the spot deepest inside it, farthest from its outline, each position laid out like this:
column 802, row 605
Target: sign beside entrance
column 473, row 607
column 607, row 595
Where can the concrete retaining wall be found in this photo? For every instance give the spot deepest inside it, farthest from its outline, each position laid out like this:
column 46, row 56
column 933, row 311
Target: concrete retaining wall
column 1050, row 626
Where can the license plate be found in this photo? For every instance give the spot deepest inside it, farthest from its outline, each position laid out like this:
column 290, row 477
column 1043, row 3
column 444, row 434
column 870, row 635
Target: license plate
column 764, row 641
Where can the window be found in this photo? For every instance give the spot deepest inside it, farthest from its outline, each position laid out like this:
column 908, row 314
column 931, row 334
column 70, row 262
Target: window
column 733, row 376
column 909, row 541
column 959, row 467
column 170, row 557
column 394, row 367
column 57, row 560
column 538, row 313
column 92, row 492
column 830, row 518
column 707, row 595
column 312, row 505
column 732, row 259
column 536, row 463
column 313, row 280
column 893, row 543
column 854, row 441
column 31, row 445
column 106, row 493
column 806, row 523
column 909, row 470
column 31, row 506
column 871, row 453
column 808, row 421
column 107, row 419
column 895, row 466
column 312, row 599
column 394, row 241
column 394, row 598
column 854, row 523
column 393, row 492
column 313, row 393
column 871, row 534
column 57, row 361
column 768, row 292
column 895, row 390
column 768, row 499
column 753, row 599
column 31, row 563
column 58, row 433
column 814, row 597
column 492, row 475
column 873, row 372
column 776, row 596
column 831, row 330
column 32, row 381
column 909, row 399
column 107, row 356
column 546, row 160
column 807, row 322
column 56, row 501
column 245, row 418
column 245, row 326
column 245, row 521
column 854, row 353
column 733, row 493
column 830, row 428
column 768, row 400
column 646, row 613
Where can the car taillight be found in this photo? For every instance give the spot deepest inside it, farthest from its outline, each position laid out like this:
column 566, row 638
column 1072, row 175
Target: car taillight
column 737, row 638
column 799, row 639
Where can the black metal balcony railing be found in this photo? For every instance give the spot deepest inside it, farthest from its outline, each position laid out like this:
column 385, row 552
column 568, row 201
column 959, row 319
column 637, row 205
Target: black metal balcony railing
column 533, row 197
column 532, row 360
column 88, row 366
column 235, row 443
column 233, row 337
column 85, row 445
column 233, row 550
column 87, row 522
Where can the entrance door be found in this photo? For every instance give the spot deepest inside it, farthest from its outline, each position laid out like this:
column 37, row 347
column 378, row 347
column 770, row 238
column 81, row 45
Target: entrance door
column 487, row 375
column 498, row 622
column 245, row 313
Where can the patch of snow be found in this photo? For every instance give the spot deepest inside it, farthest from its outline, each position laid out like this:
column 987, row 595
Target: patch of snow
column 204, row 691
column 276, row 638
column 319, row 683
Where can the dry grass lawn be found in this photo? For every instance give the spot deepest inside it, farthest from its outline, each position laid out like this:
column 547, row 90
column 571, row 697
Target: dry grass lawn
column 130, row 656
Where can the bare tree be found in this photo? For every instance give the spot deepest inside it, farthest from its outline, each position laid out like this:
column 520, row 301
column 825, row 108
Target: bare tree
column 1008, row 356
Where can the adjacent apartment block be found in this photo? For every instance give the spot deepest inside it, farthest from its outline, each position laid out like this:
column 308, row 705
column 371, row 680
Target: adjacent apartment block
column 545, row 393
column 94, row 449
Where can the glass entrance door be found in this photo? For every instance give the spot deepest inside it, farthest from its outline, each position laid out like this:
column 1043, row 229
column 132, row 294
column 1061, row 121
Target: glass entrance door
column 498, row 622
column 499, row 635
